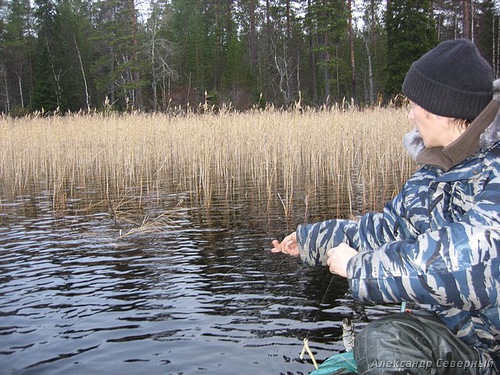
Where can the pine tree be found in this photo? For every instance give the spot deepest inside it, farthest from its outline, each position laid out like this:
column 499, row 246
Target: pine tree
column 44, row 96
column 71, row 54
column 159, row 52
column 190, row 39
column 487, row 32
column 118, row 40
column 410, row 33
column 16, row 52
column 330, row 31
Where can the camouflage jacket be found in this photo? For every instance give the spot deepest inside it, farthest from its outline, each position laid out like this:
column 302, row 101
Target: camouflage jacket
column 437, row 243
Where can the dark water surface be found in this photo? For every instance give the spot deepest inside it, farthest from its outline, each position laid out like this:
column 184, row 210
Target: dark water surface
column 198, row 294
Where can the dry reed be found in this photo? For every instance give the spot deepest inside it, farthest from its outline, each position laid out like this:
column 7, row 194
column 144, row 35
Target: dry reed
column 266, row 154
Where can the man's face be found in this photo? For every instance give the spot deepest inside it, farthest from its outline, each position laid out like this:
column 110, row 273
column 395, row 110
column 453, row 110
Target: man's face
column 435, row 130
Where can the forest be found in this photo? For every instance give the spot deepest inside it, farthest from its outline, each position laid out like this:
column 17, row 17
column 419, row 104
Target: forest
column 60, row 56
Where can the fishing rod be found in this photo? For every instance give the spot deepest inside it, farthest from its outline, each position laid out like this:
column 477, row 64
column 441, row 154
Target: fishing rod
column 347, row 331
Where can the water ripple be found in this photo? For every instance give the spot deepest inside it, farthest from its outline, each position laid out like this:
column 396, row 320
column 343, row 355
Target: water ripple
column 196, row 297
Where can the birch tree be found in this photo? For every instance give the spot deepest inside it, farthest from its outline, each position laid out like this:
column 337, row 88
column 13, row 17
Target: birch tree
column 159, row 52
column 16, row 55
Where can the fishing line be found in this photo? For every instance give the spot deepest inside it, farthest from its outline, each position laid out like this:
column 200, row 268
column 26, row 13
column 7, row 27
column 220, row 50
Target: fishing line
column 319, row 307
column 306, row 347
column 269, row 294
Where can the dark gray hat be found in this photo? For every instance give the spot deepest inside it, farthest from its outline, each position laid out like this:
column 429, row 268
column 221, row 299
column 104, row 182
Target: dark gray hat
column 451, row 80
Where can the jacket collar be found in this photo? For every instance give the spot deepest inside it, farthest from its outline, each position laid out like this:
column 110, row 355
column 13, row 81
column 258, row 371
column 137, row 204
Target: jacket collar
column 467, row 144
column 482, row 133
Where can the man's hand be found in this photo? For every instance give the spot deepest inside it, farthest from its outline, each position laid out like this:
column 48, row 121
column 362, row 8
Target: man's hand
column 338, row 257
column 287, row 246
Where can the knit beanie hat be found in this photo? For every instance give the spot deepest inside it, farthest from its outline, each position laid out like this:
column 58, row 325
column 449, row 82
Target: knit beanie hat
column 451, row 80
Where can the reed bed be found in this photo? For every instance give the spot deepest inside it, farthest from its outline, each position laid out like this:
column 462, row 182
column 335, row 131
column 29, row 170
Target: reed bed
column 289, row 157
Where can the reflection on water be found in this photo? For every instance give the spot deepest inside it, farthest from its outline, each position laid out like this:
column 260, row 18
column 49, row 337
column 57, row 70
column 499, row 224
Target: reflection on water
column 201, row 294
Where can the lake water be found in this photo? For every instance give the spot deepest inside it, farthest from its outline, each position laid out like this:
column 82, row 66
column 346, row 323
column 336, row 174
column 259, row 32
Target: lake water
column 86, row 291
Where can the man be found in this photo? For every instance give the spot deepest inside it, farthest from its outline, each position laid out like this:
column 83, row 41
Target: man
column 437, row 242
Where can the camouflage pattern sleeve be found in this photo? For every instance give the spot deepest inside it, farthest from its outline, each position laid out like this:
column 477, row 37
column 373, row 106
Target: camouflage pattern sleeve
column 404, row 217
column 455, row 262
column 315, row 240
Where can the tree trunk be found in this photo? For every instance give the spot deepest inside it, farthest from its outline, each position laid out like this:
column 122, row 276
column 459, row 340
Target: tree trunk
column 7, row 98
column 467, row 19
column 371, row 97
column 327, row 73
column 87, row 95
column 138, row 102
column 312, row 61
column 252, row 35
column 351, row 44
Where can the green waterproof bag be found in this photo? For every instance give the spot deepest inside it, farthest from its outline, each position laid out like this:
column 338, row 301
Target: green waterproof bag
column 338, row 364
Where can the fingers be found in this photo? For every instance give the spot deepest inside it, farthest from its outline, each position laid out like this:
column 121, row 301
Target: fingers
column 338, row 259
column 276, row 246
column 330, row 262
column 287, row 246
